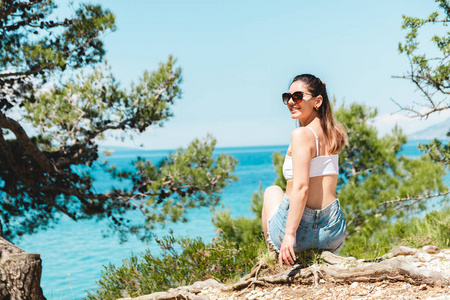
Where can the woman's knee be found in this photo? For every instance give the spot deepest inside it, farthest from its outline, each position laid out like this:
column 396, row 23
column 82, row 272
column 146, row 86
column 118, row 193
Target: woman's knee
column 273, row 196
column 273, row 192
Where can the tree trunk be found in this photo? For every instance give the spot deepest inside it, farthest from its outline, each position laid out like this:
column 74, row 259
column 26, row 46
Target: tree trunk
column 20, row 273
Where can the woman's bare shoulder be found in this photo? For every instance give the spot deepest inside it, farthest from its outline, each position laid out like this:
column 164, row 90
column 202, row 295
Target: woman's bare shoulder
column 302, row 134
column 302, row 138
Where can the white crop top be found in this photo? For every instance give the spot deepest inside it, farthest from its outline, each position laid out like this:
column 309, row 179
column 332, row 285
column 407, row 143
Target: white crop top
column 320, row 165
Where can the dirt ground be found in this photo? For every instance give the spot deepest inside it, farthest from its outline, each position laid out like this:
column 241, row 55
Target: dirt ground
column 356, row 290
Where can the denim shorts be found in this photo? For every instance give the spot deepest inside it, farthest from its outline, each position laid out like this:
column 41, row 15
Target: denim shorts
column 319, row 228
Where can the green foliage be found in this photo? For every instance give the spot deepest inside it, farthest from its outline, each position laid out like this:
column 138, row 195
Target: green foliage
column 189, row 178
column 365, row 153
column 81, row 108
column 379, row 187
column 48, row 174
column 429, row 72
column 183, row 261
column 416, row 232
column 278, row 161
column 433, row 229
column 381, row 199
column 438, row 151
column 241, row 230
column 35, row 45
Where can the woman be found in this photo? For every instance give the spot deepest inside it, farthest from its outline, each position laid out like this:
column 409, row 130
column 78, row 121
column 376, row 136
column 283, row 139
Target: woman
column 308, row 215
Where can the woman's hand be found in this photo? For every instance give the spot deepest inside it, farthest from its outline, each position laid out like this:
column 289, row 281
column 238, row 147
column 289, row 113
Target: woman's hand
column 287, row 253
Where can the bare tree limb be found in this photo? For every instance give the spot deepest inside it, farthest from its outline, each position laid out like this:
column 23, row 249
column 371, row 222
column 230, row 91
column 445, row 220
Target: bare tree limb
column 26, row 142
column 11, row 160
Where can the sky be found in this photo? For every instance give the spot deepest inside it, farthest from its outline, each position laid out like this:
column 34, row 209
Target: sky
column 238, row 57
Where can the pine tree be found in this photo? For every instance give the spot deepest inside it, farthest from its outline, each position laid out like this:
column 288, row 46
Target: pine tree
column 53, row 79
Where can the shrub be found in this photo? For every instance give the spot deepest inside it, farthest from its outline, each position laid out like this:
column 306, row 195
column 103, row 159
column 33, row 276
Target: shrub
column 182, row 262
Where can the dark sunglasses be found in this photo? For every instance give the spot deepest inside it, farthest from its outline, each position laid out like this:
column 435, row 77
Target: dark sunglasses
column 297, row 97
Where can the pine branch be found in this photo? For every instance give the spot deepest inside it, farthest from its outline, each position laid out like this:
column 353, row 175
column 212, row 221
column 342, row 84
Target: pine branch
column 49, row 66
column 416, row 199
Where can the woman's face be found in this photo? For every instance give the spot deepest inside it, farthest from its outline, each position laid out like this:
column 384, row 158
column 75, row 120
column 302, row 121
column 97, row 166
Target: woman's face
column 303, row 109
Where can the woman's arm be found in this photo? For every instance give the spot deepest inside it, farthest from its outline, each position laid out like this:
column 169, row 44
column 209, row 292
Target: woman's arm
column 302, row 147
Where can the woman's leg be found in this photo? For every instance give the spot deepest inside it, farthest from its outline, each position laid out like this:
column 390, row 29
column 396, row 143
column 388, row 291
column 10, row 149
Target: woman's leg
column 273, row 196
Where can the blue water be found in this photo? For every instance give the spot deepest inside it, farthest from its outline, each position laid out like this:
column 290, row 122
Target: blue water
column 73, row 253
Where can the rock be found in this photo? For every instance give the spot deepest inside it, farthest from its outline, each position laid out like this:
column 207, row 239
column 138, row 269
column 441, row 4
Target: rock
column 406, row 286
column 256, row 295
column 430, row 249
column 276, row 290
column 207, row 283
column 182, row 292
column 402, row 250
column 423, row 287
column 378, row 294
column 354, row 284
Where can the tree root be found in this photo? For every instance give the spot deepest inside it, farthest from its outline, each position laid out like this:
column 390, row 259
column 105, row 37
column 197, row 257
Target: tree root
column 255, row 270
column 338, row 269
column 393, row 267
column 251, row 279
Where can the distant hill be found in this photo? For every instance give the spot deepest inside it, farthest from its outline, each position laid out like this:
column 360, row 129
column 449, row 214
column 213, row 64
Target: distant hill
column 438, row 131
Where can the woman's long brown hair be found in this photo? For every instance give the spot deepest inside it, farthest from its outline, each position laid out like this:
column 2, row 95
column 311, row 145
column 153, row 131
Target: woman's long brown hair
column 334, row 132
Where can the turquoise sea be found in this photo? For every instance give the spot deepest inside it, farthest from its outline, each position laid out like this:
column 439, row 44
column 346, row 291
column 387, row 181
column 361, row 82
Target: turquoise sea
column 74, row 253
